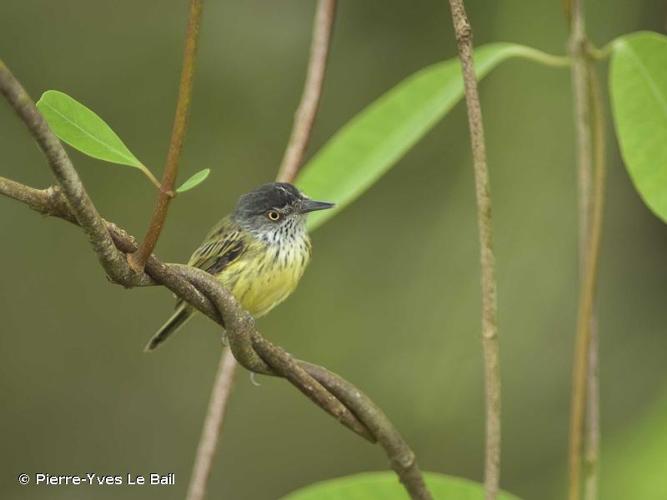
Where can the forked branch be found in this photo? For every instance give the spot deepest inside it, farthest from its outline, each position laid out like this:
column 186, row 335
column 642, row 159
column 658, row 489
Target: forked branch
column 138, row 259
column 83, row 211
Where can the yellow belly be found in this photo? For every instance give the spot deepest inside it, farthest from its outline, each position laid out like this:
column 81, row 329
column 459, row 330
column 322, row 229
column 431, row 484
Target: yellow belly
column 260, row 284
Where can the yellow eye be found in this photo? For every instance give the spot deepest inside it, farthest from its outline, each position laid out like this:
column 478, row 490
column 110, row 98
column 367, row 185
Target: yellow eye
column 273, row 215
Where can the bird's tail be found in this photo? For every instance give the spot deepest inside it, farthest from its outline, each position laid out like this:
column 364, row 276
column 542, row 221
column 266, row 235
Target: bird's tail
column 175, row 322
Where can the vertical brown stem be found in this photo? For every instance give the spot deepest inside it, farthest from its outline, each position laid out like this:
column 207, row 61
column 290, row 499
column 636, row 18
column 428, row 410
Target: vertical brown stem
column 296, row 147
column 592, row 430
column 210, row 436
column 583, row 339
column 577, row 43
column 580, row 89
column 490, row 346
column 312, row 91
column 589, row 122
column 592, row 434
column 138, row 259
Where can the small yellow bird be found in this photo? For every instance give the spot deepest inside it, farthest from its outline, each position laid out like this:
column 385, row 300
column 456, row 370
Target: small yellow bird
column 259, row 252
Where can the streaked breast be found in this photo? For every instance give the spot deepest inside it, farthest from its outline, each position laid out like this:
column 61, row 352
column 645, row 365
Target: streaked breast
column 269, row 278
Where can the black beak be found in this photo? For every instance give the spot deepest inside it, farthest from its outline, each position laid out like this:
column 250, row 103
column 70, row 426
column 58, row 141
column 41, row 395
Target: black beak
column 312, row 205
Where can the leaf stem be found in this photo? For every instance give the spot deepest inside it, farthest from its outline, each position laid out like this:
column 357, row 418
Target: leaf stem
column 138, row 259
column 544, row 58
column 490, row 346
column 600, row 54
column 149, row 175
column 304, row 118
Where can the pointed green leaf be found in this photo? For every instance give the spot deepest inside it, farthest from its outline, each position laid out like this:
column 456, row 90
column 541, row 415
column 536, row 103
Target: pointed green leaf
column 638, row 86
column 374, row 140
column 194, row 181
column 385, row 486
column 82, row 129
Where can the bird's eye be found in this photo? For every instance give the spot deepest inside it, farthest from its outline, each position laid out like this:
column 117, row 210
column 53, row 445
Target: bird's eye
column 273, row 215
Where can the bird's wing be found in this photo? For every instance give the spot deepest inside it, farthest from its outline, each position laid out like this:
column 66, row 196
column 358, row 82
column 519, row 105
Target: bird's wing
column 222, row 245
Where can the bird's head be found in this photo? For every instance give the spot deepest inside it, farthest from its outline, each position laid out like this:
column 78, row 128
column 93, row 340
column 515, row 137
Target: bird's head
column 275, row 208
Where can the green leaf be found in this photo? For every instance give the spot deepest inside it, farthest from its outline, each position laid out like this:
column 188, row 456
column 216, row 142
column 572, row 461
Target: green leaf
column 385, row 486
column 194, row 181
column 82, row 129
column 374, row 140
column 634, row 456
column 638, row 86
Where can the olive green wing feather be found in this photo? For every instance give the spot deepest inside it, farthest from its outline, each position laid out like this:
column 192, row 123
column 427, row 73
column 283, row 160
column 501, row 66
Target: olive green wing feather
column 222, row 246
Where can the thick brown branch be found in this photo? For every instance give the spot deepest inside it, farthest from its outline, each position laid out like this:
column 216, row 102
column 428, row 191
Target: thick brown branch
column 310, row 100
column 113, row 262
column 463, row 32
column 138, row 259
column 206, row 295
column 244, row 340
column 329, row 391
column 46, row 201
column 402, row 458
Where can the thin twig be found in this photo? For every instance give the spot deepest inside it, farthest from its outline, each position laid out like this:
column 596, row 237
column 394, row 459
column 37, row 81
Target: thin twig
column 589, row 123
column 592, row 442
column 583, row 339
column 585, row 424
column 592, row 434
column 577, row 42
column 490, row 347
column 580, row 89
column 212, row 426
column 138, row 259
column 299, row 138
column 113, row 262
column 310, row 100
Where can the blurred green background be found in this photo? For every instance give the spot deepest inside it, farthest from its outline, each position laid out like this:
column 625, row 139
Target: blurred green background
column 391, row 299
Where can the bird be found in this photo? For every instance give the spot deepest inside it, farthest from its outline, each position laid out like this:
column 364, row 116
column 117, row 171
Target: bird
column 258, row 252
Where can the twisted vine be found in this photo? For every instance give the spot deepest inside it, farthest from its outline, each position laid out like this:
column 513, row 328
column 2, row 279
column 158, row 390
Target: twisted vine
column 69, row 200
